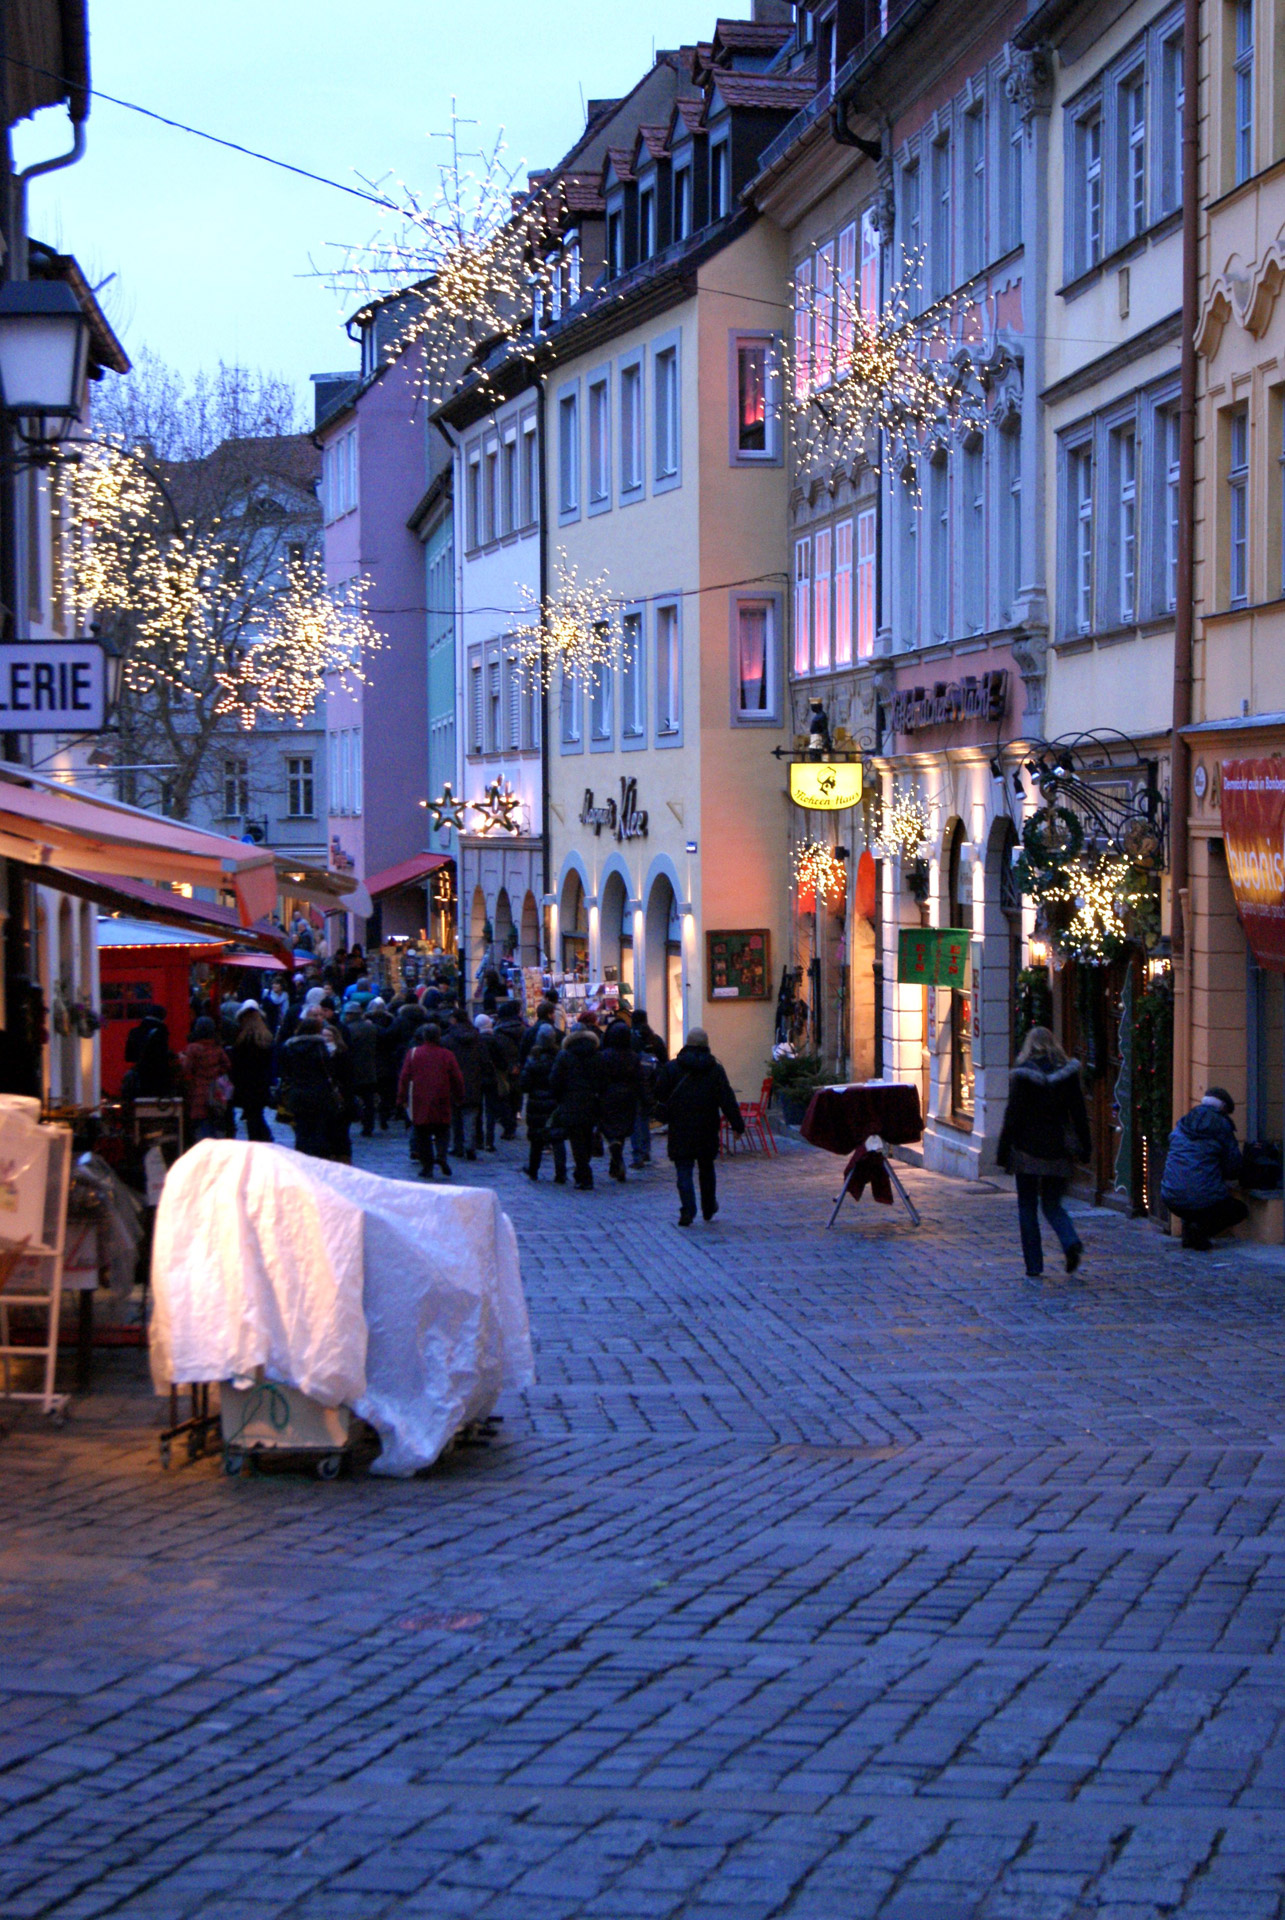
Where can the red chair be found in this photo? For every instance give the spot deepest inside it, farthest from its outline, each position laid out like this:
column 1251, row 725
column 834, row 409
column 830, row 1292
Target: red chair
column 758, row 1128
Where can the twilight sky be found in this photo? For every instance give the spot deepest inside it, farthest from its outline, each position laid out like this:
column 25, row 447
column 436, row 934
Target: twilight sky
column 214, row 252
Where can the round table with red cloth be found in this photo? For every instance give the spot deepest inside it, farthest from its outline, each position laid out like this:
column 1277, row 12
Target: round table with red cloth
column 842, row 1119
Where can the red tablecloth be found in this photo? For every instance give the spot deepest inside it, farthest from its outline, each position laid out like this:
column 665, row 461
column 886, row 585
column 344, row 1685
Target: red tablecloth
column 841, row 1119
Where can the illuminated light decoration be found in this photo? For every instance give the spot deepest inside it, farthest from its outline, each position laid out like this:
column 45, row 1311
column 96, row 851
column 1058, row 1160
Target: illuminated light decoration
column 1094, row 900
column 448, row 811
column 819, row 871
column 883, row 386
column 905, row 827
column 576, row 629
column 499, row 808
column 468, row 263
column 825, row 787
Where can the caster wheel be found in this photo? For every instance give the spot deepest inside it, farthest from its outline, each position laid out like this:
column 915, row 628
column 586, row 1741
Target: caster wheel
column 232, row 1464
column 165, row 1453
column 328, row 1468
column 57, row 1418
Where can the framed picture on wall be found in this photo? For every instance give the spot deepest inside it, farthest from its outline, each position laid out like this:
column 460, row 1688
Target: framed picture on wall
column 738, row 966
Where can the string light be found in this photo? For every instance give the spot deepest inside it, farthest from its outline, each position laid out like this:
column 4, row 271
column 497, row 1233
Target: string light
column 904, row 828
column 1100, row 893
column 576, row 629
column 818, row 870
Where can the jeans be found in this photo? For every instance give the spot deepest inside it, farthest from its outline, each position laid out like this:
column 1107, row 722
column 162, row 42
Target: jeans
column 1202, row 1223
column 640, row 1140
column 490, row 1115
column 1036, row 1190
column 457, row 1128
column 683, row 1171
column 428, row 1144
column 539, row 1140
column 364, row 1101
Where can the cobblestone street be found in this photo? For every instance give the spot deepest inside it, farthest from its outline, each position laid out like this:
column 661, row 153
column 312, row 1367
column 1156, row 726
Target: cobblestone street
column 827, row 1575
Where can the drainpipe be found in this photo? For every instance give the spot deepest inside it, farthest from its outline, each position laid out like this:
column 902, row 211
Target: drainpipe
column 1184, row 613
column 545, row 816
column 59, row 161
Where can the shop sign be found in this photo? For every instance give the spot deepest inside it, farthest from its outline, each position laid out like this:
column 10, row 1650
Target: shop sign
column 951, row 703
column 627, row 821
column 935, row 957
column 737, row 966
column 824, row 786
column 47, row 686
column 1253, row 821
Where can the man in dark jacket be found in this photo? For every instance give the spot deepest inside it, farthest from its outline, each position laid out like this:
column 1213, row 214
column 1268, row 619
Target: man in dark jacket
column 541, row 1101
column 465, row 1042
column 652, row 1055
column 1203, row 1156
column 310, row 1089
column 618, row 1091
column 147, row 1051
column 692, row 1094
column 574, row 1084
column 362, row 1036
column 507, row 1037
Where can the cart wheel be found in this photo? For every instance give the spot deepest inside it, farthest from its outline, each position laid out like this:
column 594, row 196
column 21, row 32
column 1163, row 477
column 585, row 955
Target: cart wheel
column 165, row 1453
column 328, row 1466
column 233, row 1463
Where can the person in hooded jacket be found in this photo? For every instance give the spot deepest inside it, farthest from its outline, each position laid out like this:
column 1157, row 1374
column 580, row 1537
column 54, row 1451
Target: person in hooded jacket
column 652, row 1055
column 467, row 1044
column 693, row 1093
column 508, row 1035
column 430, row 1085
column 309, row 1088
column 204, row 1064
column 575, row 1084
column 1045, row 1131
column 618, row 1092
column 147, row 1051
column 252, row 1070
column 362, row 1036
column 541, row 1102
column 1203, row 1156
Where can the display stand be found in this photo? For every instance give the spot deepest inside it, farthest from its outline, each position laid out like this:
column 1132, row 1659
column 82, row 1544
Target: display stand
column 869, row 1163
column 34, row 1278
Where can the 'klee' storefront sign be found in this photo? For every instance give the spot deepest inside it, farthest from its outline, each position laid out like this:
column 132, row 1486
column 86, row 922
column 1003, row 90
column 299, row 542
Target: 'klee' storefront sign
column 824, row 786
column 1253, row 809
column 982, row 696
column 628, row 821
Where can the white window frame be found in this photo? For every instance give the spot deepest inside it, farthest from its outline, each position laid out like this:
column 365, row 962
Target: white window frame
column 769, row 605
column 940, row 252
column 866, row 580
column 1238, row 446
column 570, row 711
column 301, row 785
column 667, row 653
column 598, row 437
column 567, row 417
column 844, row 612
column 667, row 412
column 802, row 631
column 973, row 236
column 236, row 787
column 1242, row 92
column 770, row 454
column 822, row 599
column 633, row 678
column 631, row 380
column 720, row 177
column 1132, row 136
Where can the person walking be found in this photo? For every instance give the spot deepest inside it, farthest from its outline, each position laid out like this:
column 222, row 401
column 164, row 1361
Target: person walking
column 652, row 1055
column 430, row 1088
column 465, row 1042
column 207, row 1083
column 1203, row 1156
column 575, row 1083
column 693, row 1093
column 1045, row 1131
column 252, row 1070
column 541, row 1103
column 492, row 1058
column 509, row 1034
column 362, row 1036
column 619, row 1080
column 147, row 1054
column 309, row 1089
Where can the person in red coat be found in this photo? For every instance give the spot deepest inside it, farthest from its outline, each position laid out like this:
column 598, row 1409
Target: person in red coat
column 430, row 1088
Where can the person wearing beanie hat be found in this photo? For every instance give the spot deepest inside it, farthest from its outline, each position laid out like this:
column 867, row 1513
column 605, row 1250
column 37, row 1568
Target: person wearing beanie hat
column 1203, row 1157
column 693, row 1094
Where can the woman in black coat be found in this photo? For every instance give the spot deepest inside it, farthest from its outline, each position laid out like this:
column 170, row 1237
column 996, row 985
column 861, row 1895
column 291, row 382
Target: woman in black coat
column 619, row 1086
column 1045, row 1131
column 575, row 1084
column 541, row 1101
column 694, row 1096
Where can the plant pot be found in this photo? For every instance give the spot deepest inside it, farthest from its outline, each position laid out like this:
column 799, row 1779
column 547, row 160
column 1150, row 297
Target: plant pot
column 794, row 1106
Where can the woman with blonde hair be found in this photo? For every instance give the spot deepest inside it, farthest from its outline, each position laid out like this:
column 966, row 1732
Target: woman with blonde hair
column 252, row 1069
column 1045, row 1131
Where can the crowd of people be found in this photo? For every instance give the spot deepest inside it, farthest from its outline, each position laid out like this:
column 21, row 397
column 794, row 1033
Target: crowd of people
column 333, row 1054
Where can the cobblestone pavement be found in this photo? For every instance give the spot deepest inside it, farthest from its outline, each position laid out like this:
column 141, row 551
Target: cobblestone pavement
column 827, row 1575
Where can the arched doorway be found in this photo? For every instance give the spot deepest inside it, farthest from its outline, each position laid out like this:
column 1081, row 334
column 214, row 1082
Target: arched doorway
column 505, row 932
column 663, row 972
column 530, row 948
column 613, row 932
column 477, row 930
column 573, row 926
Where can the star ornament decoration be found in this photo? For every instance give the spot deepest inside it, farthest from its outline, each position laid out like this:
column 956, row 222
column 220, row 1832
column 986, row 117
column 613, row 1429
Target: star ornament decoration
column 448, row 811
column 499, row 808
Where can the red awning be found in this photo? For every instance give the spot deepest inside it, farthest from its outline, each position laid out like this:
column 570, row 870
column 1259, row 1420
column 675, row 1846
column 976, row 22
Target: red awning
column 119, row 894
column 407, row 872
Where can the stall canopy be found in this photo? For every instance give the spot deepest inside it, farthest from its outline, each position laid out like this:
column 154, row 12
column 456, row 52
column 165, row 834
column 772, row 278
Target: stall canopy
column 205, row 918
column 406, row 872
column 1253, row 819
column 323, row 887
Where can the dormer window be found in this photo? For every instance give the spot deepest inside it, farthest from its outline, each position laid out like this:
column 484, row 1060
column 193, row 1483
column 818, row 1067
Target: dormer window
column 369, row 351
column 646, row 223
column 804, row 26
column 553, row 276
column 683, row 200
column 571, row 269
column 615, row 242
column 720, row 179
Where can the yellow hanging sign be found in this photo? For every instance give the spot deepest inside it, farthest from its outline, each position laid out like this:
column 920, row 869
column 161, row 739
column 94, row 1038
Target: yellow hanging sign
column 824, row 786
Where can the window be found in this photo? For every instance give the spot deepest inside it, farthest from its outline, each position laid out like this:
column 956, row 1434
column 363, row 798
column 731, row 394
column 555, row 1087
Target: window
column 354, row 746
column 866, row 583
column 973, row 537
column 845, row 310
column 843, row 594
column 569, row 706
column 1167, row 472
column 236, row 788
column 665, row 375
column 939, row 252
column 599, row 445
column 553, row 281
column 912, row 232
column 530, row 475
column 908, row 559
column 491, row 484
column 1131, row 123
column 1080, row 499
column 494, row 707
column 475, row 707
column 939, row 545
column 515, row 677
column 600, row 704
column 869, row 265
column 633, row 718
column 631, row 428
column 803, row 329
column 754, row 641
column 1171, row 105
column 1243, row 70
column 974, row 231
column 823, row 317
column 615, row 243
column 720, row 179
column 1238, row 506
column 1124, row 501
column 646, row 223
column 822, row 553
column 571, row 270
column 300, row 794
column 754, row 437
column 511, row 488
column 1010, row 200
column 1087, row 190
column 473, row 498
column 669, row 678
column 1010, row 520
column 683, row 202
column 802, row 606
column 568, row 456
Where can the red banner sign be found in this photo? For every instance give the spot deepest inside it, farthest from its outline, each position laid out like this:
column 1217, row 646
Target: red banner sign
column 1253, row 810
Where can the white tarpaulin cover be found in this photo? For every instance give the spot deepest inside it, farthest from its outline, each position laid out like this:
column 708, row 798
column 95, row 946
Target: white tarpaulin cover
column 403, row 1302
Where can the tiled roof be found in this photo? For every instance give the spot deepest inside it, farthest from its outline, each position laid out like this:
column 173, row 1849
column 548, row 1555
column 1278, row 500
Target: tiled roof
column 749, row 36
column 788, row 92
column 689, row 110
column 581, row 192
column 622, row 160
column 656, row 141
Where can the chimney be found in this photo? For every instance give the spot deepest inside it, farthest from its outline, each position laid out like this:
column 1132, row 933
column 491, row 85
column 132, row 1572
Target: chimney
column 772, row 13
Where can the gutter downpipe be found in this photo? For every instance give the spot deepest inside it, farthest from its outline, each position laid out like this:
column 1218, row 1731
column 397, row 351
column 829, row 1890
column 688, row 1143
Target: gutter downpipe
column 546, row 851
column 1184, row 612
column 59, row 161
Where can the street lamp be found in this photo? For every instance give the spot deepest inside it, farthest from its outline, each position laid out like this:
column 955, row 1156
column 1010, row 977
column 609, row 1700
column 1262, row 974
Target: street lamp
column 44, row 348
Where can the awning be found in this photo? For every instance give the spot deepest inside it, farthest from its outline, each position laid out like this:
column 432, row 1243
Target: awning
column 203, row 917
column 116, row 936
column 331, row 891
column 407, row 872
column 45, row 825
column 263, row 962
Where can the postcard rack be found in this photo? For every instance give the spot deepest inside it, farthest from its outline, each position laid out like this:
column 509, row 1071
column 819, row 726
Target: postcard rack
column 31, row 1270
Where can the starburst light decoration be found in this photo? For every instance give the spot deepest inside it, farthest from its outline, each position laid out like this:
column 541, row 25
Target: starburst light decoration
column 470, row 260
column 884, row 384
column 576, row 630
column 1101, row 892
column 905, row 826
column 313, row 635
column 498, row 808
column 448, row 811
column 819, row 871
